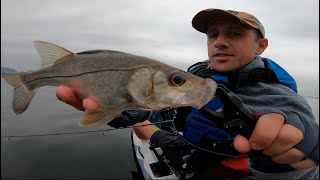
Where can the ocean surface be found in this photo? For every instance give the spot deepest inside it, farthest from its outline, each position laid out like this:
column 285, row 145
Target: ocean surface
column 97, row 155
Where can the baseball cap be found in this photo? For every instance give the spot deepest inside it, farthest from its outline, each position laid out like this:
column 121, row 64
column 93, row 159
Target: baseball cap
column 202, row 19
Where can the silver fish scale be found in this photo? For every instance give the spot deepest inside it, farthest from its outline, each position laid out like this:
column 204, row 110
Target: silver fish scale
column 110, row 87
column 101, row 61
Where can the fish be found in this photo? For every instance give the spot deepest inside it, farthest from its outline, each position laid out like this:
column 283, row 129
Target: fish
column 118, row 81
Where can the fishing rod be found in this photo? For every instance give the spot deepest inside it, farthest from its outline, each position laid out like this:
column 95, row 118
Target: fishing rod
column 80, row 132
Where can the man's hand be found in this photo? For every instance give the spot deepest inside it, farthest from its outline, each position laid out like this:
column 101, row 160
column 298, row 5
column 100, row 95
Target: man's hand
column 68, row 96
column 276, row 140
column 125, row 119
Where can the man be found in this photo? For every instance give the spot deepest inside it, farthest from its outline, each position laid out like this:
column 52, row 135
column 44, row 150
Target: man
column 285, row 128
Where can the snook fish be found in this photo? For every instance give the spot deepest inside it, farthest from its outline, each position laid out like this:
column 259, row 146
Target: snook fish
column 118, row 81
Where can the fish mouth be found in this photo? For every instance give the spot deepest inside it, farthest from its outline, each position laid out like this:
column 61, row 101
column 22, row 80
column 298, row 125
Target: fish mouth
column 207, row 94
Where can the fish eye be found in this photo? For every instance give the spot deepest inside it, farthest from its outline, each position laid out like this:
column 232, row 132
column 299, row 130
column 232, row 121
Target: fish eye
column 176, row 79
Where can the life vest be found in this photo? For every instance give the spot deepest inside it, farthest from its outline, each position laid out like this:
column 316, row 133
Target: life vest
column 203, row 131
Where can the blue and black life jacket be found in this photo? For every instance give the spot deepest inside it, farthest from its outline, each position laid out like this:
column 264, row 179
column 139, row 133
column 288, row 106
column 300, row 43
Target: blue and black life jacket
column 202, row 130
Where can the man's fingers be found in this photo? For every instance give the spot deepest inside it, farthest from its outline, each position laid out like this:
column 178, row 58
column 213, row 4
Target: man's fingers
column 266, row 130
column 304, row 164
column 288, row 136
column 293, row 155
column 90, row 104
column 67, row 95
column 241, row 144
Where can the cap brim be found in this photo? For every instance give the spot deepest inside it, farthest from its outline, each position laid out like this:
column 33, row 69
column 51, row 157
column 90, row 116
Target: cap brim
column 201, row 20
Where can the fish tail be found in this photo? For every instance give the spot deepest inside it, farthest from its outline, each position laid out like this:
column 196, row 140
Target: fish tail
column 22, row 94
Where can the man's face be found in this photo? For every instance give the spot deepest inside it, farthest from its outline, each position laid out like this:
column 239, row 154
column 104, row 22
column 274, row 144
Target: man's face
column 232, row 45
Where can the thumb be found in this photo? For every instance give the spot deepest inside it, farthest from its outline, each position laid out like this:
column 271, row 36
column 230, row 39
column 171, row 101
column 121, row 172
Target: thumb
column 241, row 144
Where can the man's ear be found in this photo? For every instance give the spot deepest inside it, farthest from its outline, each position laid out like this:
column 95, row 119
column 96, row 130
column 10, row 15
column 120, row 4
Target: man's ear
column 263, row 44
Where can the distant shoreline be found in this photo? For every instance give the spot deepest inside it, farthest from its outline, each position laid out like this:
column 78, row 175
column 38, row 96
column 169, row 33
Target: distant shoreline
column 7, row 70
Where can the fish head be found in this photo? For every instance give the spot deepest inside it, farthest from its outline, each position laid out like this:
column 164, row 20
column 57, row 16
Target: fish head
column 177, row 88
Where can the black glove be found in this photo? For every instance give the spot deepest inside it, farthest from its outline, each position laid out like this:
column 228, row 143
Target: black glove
column 173, row 147
column 129, row 118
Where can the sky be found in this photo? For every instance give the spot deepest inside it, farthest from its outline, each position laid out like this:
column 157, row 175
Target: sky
column 157, row 29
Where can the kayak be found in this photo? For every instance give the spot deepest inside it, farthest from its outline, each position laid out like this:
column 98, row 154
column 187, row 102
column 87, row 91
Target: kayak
column 149, row 161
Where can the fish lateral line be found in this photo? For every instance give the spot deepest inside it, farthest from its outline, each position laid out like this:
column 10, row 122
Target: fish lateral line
column 84, row 73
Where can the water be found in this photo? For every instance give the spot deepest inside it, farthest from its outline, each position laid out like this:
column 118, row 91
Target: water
column 89, row 156
column 100, row 155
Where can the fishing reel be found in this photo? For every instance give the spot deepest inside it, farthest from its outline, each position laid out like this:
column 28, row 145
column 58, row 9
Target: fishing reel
column 235, row 118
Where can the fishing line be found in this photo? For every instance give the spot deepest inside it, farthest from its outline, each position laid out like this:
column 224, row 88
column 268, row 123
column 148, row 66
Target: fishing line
column 81, row 132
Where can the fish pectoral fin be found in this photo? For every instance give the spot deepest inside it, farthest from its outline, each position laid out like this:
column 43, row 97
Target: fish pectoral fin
column 51, row 53
column 99, row 117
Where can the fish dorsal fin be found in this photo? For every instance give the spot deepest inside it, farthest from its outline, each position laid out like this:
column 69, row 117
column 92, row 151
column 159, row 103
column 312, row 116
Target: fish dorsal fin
column 50, row 53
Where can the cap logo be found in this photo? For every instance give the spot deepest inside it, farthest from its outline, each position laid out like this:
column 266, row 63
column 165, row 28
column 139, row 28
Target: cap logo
column 250, row 20
column 233, row 12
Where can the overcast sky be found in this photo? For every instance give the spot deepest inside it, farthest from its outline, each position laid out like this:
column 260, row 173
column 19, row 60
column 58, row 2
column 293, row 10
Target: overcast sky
column 157, row 29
